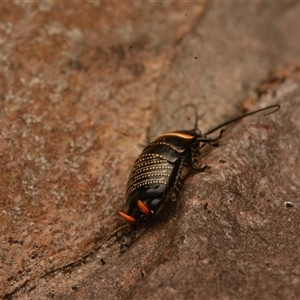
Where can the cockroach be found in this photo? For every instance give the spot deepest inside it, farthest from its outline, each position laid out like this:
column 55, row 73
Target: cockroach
column 156, row 173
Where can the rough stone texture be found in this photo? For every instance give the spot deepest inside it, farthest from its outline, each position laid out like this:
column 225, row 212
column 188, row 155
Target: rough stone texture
column 237, row 224
column 84, row 85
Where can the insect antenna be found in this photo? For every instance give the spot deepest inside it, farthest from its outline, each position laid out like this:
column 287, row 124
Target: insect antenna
column 195, row 112
column 276, row 107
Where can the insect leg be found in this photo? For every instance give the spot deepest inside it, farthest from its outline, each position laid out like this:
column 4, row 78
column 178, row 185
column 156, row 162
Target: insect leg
column 215, row 141
column 195, row 150
column 133, row 235
column 207, row 140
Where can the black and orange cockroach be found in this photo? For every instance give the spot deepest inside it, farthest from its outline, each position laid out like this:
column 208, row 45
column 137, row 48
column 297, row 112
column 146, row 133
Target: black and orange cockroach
column 156, row 173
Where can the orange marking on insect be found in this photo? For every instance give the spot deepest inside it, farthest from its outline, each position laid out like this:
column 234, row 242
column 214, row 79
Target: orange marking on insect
column 179, row 134
column 127, row 217
column 143, row 207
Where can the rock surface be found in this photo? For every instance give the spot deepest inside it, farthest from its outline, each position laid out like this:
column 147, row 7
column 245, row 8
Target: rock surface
column 84, row 86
